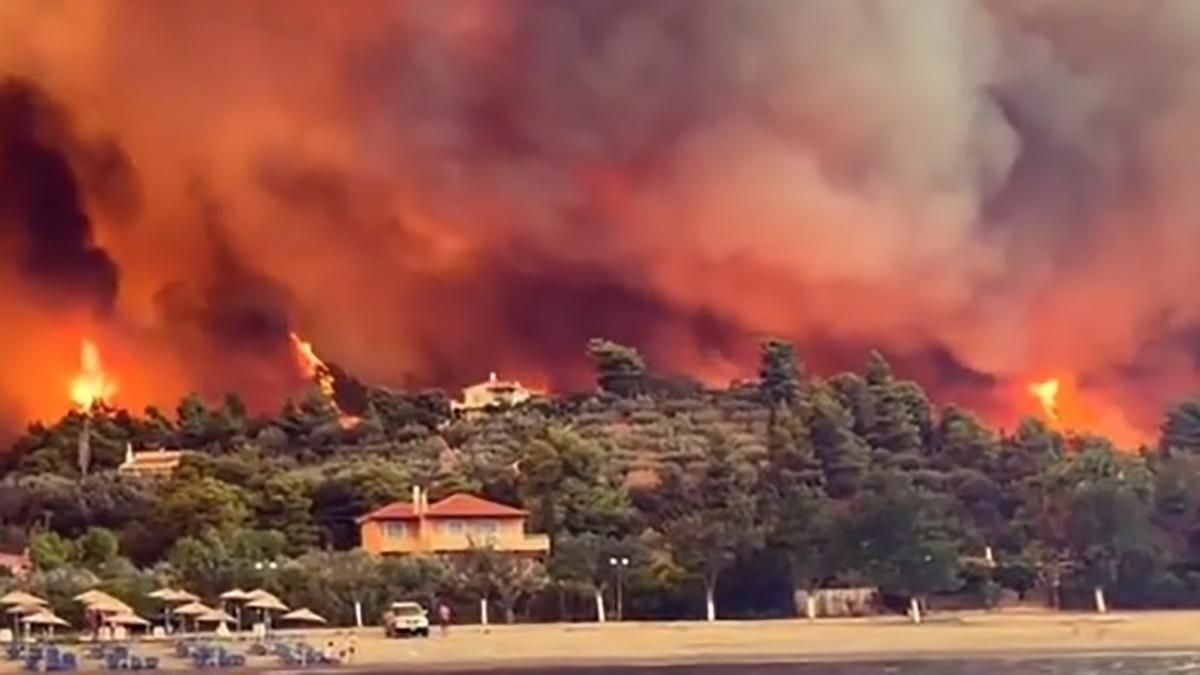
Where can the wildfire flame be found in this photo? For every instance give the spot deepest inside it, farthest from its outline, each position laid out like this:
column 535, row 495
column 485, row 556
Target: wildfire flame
column 306, row 357
column 92, row 386
column 1047, row 394
column 316, row 370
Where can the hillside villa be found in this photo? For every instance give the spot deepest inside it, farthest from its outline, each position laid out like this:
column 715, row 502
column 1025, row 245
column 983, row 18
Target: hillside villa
column 492, row 393
column 150, row 463
column 453, row 525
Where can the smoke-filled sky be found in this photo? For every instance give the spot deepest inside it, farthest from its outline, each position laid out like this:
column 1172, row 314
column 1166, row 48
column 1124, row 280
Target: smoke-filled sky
column 990, row 191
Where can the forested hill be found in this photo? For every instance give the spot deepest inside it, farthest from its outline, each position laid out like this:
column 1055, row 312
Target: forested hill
column 755, row 490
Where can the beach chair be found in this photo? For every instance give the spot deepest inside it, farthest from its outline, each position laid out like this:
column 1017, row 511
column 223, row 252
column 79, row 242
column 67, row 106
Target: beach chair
column 69, row 662
column 151, row 663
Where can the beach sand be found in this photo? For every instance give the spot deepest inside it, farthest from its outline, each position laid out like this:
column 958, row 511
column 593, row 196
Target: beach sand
column 959, row 635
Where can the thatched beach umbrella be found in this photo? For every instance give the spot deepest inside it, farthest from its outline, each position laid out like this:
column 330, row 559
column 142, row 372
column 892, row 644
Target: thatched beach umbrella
column 304, row 615
column 165, row 594
column 171, row 596
column 261, row 594
column 237, row 597
column 182, row 596
column 18, row 611
column 266, row 604
column 193, row 610
column 109, row 605
column 215, row 616
column 44, row 618
column 126, row 620
column 21, row 598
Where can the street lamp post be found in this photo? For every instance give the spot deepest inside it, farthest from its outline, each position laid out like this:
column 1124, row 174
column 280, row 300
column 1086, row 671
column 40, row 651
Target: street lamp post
column 620, row 565
column 262, row 566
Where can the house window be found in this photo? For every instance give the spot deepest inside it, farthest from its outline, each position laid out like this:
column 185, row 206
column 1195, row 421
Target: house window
column 487, row 527
column 454, row 526
column 395, row 529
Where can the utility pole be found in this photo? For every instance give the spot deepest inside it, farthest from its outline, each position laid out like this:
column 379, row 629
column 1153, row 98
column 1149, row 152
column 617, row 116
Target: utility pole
column 85, row 445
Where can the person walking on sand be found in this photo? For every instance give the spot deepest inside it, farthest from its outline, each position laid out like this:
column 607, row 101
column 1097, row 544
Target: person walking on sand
column 444, row 618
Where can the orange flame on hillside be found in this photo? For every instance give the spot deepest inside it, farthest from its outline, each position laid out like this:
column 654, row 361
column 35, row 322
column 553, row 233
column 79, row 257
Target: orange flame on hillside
column 1046, row 393
column 320, row 374
column 306, row 357
column 92, row 386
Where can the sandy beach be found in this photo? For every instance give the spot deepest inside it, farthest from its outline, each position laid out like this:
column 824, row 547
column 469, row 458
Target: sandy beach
column 944, row 636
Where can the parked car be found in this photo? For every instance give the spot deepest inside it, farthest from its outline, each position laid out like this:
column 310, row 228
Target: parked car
column 406, row 619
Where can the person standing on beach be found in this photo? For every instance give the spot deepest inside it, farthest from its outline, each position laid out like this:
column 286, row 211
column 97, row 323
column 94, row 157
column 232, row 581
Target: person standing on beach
column 444, row 618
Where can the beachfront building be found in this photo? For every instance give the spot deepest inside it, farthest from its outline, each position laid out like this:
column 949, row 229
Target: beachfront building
column 494, row 393
column 150, row 463
column 453, row 525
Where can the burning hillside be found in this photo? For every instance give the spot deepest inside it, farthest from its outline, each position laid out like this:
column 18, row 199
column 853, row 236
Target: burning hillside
column 429, row 191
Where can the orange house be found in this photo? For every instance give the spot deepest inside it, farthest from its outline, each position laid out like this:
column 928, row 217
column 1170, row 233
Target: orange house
column 453, row 525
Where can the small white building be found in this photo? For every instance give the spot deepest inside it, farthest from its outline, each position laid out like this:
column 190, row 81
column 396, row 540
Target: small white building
column 150, row 463
column 493, row 392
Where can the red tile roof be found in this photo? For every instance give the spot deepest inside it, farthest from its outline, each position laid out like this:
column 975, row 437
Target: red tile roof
column 455, row 506
column 465, row 505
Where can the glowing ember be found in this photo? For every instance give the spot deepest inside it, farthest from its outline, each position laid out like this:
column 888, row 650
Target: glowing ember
column 1047, row 394
column 92, row 386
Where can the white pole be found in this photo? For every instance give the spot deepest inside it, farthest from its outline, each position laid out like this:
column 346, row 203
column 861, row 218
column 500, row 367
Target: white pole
column 600, row 606
column 483, row 611
column 710, row 605
column 358, row 614
column 1101, row 605
column 914, row 609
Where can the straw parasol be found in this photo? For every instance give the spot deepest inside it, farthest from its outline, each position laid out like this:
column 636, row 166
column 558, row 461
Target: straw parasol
column 94, row 595
column 183, row 596
column 266, row 604
column 261, row 594
column 21, row 598
column 238, row 595
column 304, row 615
column 44, row 618
column 192, row 609
column 126, row 620
column 18, row 611
column 108, row 606
column 23, row 610
column 271, row 604
column 215, row 616
column 164, row 594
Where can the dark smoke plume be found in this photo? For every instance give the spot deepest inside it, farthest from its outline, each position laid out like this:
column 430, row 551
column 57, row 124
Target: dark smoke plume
column 45, row 231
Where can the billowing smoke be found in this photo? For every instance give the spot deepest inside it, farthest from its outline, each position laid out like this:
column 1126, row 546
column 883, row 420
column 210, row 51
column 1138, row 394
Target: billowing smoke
column 45, row 231
column 991, row 191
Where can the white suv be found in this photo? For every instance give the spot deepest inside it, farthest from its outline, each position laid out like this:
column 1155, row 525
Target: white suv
column 405, row 619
